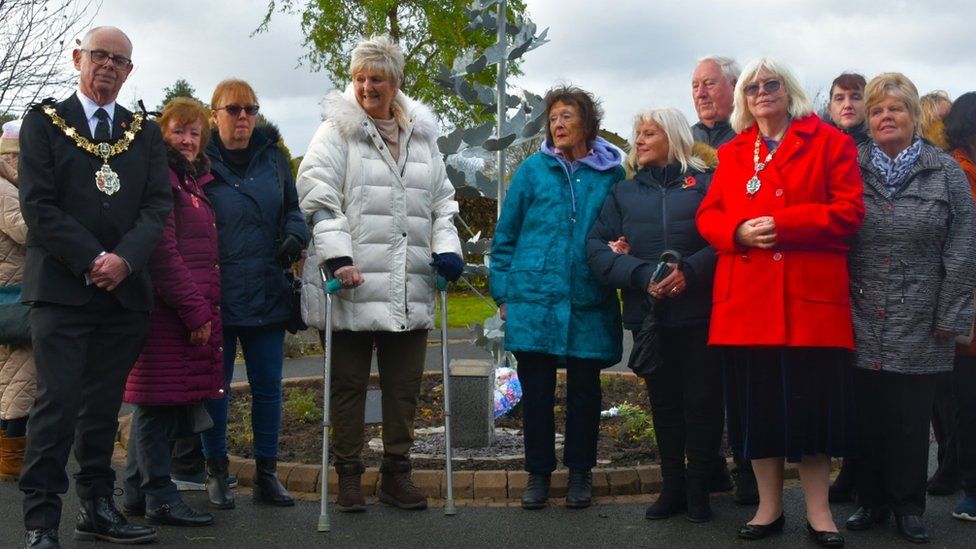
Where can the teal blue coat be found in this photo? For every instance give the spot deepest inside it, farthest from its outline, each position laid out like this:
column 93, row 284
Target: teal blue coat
column 538, row 265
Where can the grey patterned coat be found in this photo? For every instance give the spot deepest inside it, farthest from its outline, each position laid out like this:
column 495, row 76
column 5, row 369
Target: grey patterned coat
column 913, row 266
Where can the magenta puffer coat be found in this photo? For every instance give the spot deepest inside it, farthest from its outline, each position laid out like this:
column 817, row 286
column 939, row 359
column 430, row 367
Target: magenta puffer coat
column 186, row 282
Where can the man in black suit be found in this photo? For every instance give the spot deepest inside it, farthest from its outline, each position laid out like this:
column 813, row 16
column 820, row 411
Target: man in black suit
column 95, row 194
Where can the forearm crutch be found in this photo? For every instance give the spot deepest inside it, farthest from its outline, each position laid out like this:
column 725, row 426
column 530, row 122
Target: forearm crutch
column 449, row 509
column 329, row 286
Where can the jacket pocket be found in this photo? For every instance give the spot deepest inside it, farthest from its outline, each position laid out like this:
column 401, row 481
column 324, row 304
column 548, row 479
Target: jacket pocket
column 723, row 279
column 824, row 279
column 528, row 279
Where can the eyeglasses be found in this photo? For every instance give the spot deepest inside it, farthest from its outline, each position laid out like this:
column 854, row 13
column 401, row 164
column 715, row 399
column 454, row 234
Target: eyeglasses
column 235, row 110
column 100, row 57
column 769, row 86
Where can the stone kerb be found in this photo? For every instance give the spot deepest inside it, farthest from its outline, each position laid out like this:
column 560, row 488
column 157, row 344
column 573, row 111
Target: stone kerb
column 474, row 487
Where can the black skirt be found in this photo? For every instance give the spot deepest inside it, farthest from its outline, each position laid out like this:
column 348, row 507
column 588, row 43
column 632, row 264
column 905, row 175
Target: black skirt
column 789, row 402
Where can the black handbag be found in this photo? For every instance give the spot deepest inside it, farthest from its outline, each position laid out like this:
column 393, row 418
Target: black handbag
column 295, row 321
column 14, row 317
column 189, row 420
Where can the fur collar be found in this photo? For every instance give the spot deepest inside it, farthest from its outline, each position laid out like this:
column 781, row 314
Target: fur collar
column 183, row 167
column 345, row 113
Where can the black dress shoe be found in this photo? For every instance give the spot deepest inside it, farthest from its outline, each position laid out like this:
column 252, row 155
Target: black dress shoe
column 178, row 513
column 759, row 531
column 825, row 539
column 865, row 517
column 43, row 538
column 536, row 495
column 99, row 519
column 580, row 492
column 911, row 528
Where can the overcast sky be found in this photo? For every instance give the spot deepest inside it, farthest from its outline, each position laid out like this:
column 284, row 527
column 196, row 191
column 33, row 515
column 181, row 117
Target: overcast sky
column 632, row 54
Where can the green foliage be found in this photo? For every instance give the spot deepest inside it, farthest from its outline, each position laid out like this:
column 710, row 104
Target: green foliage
column 637, row 425
column 300, row 405
column 180, row 88
column 243, row 435
column 431, row 32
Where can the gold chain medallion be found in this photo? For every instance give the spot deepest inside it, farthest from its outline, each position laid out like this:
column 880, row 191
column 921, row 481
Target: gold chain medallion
column 106, row 180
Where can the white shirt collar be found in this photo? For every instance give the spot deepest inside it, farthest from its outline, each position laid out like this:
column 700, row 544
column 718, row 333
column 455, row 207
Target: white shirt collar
column 91, row 106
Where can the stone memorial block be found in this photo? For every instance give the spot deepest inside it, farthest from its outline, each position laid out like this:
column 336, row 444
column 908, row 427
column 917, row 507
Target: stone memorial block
column 472, row 406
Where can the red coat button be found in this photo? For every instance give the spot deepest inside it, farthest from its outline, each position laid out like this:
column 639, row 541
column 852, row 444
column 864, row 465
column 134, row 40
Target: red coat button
column 886, row 261
column 777, row 256
column 745, row 258
column 877, row 365
column 779, row 192
column 881, row 314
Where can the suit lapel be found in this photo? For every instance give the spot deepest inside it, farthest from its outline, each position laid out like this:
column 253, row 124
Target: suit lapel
column 121, row 122
column 74, row 115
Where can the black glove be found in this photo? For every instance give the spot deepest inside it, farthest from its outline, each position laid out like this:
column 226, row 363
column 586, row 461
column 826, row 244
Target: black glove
column 448, row 265
column 289, row 251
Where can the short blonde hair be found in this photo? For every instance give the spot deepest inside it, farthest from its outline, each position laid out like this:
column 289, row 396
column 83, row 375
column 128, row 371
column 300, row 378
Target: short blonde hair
column 898, row 86
column 676, row 130
column 799, row 103
column 381, row 53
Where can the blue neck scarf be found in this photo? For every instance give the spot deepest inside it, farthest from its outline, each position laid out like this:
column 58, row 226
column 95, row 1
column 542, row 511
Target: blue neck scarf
column 894, row 172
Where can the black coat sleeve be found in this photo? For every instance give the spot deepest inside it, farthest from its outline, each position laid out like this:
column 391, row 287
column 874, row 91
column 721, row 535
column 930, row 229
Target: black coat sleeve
column 294, row 223
column 610, row 268
column 63, row 236
column 138, row 243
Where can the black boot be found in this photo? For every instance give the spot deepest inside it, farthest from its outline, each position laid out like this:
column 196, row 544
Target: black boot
column 267, row 487
column 842, row 489
column 178, row 513
column 536, row 495
column 99, row 519
column 43, row 538
column 580, row 493
column 218, row 484
column 699, row 508
column 671, row 501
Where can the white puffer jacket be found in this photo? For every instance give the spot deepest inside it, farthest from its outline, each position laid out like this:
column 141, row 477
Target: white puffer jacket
column 387, row 216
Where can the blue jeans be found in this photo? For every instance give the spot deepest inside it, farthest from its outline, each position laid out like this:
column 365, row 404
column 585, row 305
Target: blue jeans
column 264, row 355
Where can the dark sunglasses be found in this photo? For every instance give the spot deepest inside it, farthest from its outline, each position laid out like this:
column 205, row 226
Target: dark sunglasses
column 100, row 57
column 769, row 86
column 235, row 110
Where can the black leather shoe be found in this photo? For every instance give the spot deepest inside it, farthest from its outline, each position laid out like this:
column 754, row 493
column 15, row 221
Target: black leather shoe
column 866, row 517
column 267, row 487
column 44, row 538
column 218, row 484
column 99, row 519
column 536, row 495
column 178, row 513
column 911, row 528
column 670, row 502
column 825, row 539
column 759, row 531
column 580, row 493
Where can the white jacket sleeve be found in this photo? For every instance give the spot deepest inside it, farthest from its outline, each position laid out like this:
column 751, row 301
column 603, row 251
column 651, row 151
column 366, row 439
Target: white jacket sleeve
column 321, row 185
column 444, row 237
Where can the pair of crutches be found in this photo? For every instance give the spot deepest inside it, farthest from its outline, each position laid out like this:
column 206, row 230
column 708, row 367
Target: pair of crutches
column 331, row 286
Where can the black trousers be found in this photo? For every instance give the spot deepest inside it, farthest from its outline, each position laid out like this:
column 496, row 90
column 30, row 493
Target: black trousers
column 964, row 384
column 537, row 373
column 892, row 421
column 686, row 403
column 944, row 424
column 83, row 356
column 146, row 477
column 188, row 458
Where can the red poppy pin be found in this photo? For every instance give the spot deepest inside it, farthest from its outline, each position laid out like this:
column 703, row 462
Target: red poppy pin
column 689, row 182
column 123, row 124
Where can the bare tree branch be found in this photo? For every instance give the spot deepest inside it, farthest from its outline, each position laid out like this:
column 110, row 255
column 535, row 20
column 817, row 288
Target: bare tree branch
column 35, row 36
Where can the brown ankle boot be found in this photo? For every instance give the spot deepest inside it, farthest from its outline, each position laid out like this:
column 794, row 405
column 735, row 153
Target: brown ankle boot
column 11, row 457
column 350, row 498
column 396, row 486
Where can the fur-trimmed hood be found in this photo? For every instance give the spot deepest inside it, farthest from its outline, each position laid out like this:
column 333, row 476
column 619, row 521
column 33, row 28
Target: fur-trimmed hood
column 342, row 110
column 183, row 167
column 706, row 153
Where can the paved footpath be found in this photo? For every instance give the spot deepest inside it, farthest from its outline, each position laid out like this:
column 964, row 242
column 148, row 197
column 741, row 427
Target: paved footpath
column 611, row 522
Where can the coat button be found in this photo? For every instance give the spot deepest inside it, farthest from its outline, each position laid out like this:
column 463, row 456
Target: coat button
column 877, row 365
column 779, row 192
column 404, row 234
column 402, row 327
column 745, row 258
column 881, row 314
column 777, row 256
column 221, row 349
column 216, row 266
column 886, row 261
column 105, row 205
column 889, row 207
column 218, row 307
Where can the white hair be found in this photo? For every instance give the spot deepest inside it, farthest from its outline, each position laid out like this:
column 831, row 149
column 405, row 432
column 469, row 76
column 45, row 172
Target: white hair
column 381, row 53
column 86, row 39
column 729, row 67
column 676, row 130
column 799, row 104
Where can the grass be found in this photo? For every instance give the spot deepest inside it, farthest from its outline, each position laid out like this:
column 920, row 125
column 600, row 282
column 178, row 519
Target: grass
column 463, row 309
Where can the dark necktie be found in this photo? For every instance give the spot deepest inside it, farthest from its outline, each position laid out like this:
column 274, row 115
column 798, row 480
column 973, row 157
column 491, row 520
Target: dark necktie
column 102, row 132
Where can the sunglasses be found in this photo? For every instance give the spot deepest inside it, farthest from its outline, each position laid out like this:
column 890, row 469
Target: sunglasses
column 769, row 86
column 235, row 110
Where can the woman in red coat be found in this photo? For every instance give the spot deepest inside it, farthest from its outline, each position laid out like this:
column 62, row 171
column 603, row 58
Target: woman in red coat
column 785, row 197
column 182, row 361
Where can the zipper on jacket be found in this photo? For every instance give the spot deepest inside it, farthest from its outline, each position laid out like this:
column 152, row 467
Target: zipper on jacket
column 664, row 215
column 572, row 193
